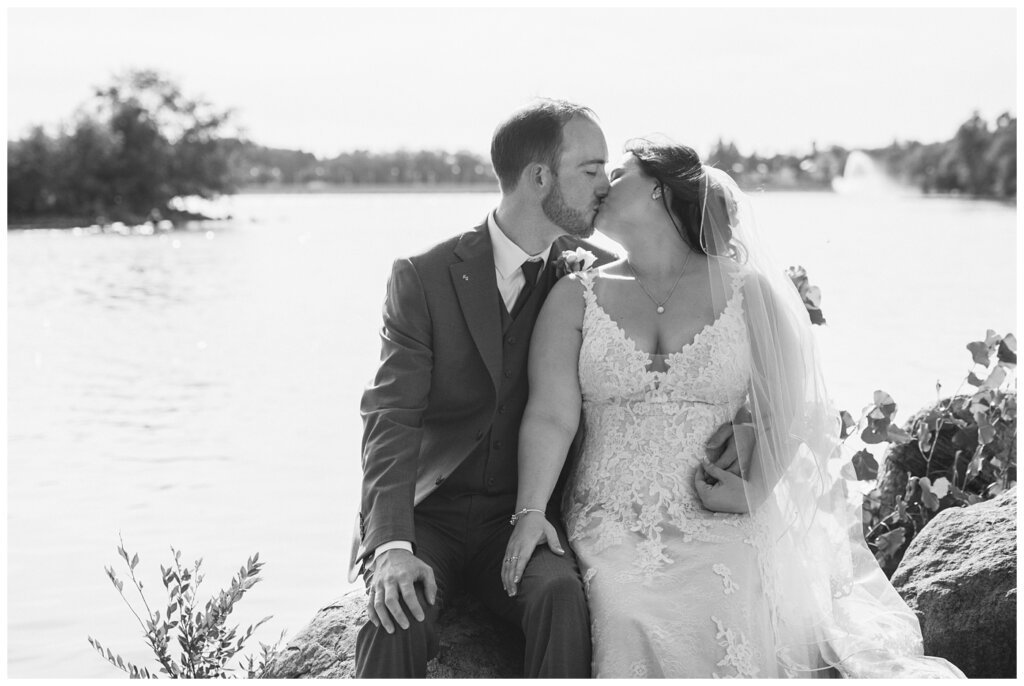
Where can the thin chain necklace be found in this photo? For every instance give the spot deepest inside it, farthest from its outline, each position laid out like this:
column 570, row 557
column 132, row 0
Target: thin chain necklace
column 660, row 306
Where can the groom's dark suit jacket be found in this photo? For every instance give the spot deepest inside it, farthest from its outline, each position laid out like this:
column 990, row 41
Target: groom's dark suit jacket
column 435, row 395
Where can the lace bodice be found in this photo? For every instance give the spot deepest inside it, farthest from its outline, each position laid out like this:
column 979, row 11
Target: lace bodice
column 645, row 430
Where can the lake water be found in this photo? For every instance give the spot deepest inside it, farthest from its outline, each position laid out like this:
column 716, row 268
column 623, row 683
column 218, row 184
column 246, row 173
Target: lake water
column 200, row 389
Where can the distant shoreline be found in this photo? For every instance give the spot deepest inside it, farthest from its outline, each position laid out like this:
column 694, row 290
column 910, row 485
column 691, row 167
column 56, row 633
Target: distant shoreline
column 356, row 188
column 332, row 188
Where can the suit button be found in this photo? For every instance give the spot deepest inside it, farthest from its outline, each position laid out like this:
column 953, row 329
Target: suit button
column 490, row 482
column 511, row 340
column 501, row 409
column 508, row 373
column 440, row 479
column 497, row 445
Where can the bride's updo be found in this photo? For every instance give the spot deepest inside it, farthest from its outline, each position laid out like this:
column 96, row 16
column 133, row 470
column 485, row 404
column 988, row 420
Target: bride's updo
column 681, row 175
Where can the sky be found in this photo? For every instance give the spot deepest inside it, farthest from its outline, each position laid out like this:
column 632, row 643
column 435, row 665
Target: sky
column 332, row 80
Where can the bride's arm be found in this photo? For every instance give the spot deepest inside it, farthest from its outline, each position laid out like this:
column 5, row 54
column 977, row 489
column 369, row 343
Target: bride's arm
column 779, row 384
column 549, row 423
column 775, row 397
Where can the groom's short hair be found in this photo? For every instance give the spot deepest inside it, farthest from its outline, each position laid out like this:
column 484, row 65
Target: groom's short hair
column 532, row 134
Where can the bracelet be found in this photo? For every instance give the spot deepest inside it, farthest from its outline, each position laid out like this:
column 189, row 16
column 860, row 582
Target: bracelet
column 518, row 515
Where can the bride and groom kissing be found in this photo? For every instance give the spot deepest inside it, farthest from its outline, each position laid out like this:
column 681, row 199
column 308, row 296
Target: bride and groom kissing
column 633, row 463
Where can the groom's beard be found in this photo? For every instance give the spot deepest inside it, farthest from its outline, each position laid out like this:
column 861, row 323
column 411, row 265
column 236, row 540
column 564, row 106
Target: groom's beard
column 567, row 218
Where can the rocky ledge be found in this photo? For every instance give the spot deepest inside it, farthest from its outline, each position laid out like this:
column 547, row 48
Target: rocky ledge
column 960, row 576
column 473, row 643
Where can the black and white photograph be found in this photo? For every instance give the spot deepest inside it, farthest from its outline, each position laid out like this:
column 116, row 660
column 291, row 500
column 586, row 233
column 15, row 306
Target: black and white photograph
column 511, row 342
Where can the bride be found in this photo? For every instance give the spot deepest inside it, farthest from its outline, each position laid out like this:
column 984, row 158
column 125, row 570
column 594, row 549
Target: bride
column 690, row 569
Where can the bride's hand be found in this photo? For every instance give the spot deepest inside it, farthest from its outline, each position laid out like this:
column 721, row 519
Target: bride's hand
column 531, row 530
column 725, row 494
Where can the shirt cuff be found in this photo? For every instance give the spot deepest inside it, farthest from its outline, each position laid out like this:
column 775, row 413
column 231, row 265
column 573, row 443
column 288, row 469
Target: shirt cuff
column 391, row 545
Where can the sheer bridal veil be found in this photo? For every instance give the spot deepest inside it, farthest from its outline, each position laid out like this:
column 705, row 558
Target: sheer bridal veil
column 831, row 605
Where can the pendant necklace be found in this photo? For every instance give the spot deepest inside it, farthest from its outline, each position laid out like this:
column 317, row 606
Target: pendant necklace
column 660, row 306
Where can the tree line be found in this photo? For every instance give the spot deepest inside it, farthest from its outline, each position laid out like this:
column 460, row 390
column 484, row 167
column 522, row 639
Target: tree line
column 139, row 142
column 979, row 161
column 253, row 165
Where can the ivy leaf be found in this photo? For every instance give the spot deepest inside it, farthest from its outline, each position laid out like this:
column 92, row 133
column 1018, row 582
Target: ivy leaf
column 958, row 495
column 847, row 423
column 901, row 509
column 974, row 380
column 996, row 378
column 872, row 436
column 865, row 466
column 897, row 435
column 1007, row 352
column 981, row 401
column 928, row 499
column 889, row 543
column 885, row 403
column 979, row 352
column 986, row 432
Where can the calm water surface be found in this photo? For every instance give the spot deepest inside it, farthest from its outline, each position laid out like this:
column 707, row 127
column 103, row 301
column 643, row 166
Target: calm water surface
column 200, row 389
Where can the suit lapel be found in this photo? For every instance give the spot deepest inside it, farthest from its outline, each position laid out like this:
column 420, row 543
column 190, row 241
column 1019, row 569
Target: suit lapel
column 477, row 290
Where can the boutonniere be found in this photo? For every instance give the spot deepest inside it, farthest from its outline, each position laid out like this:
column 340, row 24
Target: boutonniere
column 573, row 261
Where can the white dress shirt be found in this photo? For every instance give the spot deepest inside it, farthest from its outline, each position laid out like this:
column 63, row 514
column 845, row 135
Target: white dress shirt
column 508, row 260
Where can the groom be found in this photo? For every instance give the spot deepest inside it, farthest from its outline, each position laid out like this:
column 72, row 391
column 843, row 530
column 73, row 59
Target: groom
column 441, row 418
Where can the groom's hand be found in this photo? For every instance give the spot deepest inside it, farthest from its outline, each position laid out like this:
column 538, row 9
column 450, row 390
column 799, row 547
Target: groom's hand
column 395, row 574
column 731, row 447
column 719, row 490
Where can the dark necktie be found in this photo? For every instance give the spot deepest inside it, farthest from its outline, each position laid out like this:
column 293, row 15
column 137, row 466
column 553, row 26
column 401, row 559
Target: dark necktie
column 530, row 270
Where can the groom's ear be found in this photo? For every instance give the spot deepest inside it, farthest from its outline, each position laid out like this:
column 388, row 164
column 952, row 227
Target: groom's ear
column 538, row 176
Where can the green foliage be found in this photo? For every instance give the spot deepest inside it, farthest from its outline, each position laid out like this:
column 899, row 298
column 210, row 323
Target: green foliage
column 980, row 160
column 811, row 295
column 956, row 453
column 207, row 645
column 136, row 145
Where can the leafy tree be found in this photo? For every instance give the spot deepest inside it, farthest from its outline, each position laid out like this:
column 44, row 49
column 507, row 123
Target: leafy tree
column 136, row 145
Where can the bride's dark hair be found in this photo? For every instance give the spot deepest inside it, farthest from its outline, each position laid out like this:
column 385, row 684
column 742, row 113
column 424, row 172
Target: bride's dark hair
column 679, row 173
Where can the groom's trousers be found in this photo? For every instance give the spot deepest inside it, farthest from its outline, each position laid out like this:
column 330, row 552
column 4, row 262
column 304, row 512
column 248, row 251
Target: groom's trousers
column 463, row 539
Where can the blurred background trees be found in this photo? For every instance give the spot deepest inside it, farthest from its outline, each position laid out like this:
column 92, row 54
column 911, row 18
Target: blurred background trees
column 139, row 142
column 979, row 161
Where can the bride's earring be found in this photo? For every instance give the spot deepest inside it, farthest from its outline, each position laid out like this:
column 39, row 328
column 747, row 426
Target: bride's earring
column 656, row 195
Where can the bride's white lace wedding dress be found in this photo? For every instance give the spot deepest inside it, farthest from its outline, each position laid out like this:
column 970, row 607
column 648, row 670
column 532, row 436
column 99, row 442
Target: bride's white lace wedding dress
column 675, row 590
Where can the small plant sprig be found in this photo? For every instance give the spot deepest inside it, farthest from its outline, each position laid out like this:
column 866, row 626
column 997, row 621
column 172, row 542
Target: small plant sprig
column 957, row 453
column 207, row 645
column 811, row 295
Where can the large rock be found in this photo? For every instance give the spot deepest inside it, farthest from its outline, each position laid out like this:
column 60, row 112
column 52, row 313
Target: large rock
column 960, row 576
column 473, row 643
